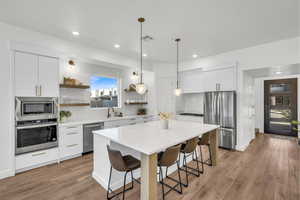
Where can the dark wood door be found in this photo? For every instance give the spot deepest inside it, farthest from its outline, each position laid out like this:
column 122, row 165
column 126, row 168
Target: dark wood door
column 280, row 101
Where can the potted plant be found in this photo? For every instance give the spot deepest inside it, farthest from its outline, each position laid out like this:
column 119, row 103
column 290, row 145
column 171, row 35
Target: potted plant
column 164, row 119
column 296, row 123
column 64, row 115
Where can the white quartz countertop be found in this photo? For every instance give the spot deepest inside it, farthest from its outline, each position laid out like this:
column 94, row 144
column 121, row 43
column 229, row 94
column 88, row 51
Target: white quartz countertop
column 90, row 121
column 149, row 138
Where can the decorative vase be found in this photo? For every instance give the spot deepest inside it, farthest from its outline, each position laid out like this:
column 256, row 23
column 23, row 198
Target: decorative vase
column 165, row 124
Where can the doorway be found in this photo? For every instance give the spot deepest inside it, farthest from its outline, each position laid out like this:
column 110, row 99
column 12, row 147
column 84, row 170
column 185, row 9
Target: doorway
column 280, row 106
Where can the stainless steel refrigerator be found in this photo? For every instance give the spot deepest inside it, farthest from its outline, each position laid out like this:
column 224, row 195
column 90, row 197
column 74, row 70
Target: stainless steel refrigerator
column 220, row 109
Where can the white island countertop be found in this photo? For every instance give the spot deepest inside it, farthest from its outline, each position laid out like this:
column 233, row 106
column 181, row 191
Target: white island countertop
column 149, row 138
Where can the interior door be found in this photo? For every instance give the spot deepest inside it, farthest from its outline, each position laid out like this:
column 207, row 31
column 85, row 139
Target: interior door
column 280, row 101
column 48, row 76
column 26, row 73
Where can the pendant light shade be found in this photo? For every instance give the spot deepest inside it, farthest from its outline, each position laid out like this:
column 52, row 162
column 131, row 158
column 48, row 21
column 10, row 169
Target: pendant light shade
column 141, row 87
column 177, row 91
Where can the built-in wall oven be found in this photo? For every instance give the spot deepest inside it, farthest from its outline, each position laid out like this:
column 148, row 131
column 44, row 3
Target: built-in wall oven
column 35, row 108
column 36, row 135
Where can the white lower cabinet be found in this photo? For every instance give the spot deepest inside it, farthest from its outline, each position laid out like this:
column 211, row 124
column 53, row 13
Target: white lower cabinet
column 36, row 159
column 71, row 141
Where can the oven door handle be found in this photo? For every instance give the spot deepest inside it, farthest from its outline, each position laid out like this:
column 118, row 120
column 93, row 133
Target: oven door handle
column 36, row 126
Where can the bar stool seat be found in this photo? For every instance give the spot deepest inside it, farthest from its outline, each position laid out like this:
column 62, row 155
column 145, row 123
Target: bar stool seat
column 131, row 162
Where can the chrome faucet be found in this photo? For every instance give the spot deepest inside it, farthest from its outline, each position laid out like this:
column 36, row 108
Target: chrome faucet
column 108, row 111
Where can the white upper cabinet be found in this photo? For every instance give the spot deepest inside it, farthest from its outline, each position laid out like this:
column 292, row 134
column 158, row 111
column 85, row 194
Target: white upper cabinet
column 26, row 74
column 36, row 75
column 191, row 81
column 48, row 76
column 196, row 81
column 220, row 79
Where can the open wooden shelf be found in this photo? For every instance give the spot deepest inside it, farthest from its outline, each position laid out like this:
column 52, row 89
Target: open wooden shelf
column 74, row 104
column 136, row 103
column 132, row 90
column 74, row 86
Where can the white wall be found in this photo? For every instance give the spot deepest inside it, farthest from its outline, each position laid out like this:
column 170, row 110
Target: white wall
column 6, row 107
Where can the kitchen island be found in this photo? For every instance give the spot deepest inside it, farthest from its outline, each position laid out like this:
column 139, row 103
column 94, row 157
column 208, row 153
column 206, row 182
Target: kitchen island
column 144, row 141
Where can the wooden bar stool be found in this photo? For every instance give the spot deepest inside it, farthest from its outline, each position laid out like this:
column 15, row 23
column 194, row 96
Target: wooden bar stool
column 190, row 149
column 204, row 141
column 167, row 159
column 121, row 163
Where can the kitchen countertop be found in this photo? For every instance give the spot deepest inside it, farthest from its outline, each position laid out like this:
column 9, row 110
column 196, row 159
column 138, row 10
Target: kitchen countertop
column 74, row 123
column 149, row 138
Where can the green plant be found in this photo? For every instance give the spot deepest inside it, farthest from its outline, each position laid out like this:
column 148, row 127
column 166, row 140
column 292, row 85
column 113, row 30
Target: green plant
column 64, row 114
column 296, row 123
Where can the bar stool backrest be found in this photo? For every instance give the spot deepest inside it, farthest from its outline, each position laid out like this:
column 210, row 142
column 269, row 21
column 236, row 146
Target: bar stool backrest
column 191, row 145
column 170, row 156
column 205, row 139
column 116, row 159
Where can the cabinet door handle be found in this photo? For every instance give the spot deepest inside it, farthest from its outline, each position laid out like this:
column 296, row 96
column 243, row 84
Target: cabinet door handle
column 39, row 154
column 72, row 145
column 40, row 90
column 36, row 90
column 72, row 133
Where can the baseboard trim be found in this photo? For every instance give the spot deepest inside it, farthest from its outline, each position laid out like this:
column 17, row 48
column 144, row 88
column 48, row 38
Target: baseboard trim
column 6, row 173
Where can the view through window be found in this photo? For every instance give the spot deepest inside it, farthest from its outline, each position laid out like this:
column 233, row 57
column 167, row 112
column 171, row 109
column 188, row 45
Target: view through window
column 104, row 92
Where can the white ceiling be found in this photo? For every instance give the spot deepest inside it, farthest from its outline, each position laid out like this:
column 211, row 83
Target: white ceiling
column 207, row 27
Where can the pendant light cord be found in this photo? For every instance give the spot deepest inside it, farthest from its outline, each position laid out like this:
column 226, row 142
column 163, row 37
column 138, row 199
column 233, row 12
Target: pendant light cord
column 177, row 63
column 141, row 46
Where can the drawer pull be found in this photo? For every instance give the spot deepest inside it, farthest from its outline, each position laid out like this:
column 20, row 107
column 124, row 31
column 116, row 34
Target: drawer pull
column 72, row 133
column 72, row 145
column 70, row 127
column 39, row 154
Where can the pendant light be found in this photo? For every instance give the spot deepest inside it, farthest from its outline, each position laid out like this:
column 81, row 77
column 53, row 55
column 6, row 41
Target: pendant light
column 177, row 91
column 141, row 87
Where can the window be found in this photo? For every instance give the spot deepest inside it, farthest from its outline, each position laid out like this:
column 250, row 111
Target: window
column 104, row 92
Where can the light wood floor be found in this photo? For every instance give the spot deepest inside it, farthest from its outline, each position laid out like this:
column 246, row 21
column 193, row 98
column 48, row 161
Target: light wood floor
column 269, row 169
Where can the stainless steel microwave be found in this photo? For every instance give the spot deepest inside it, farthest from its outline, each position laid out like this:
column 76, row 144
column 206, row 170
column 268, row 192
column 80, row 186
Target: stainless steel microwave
column 35, row 108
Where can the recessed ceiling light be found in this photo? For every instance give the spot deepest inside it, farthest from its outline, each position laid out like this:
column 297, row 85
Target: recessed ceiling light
column 75, row 33
column 145, row 55
column 195, row 55
column 278, row 72
column 117, row 46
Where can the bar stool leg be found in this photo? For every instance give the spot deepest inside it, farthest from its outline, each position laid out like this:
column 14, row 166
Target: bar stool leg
column 210, row 161
column 186, row 171
column 197, row 163
column 201, row 159
column 162, row 182
column 108, row 188
column 132, row 179
column 180, row 183
column 124, row 186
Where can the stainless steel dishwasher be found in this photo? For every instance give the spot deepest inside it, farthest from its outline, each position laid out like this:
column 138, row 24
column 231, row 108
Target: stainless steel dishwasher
column 88, row 138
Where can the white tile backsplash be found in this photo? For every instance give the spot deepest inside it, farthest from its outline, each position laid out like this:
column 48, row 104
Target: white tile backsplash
column 192, row 103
